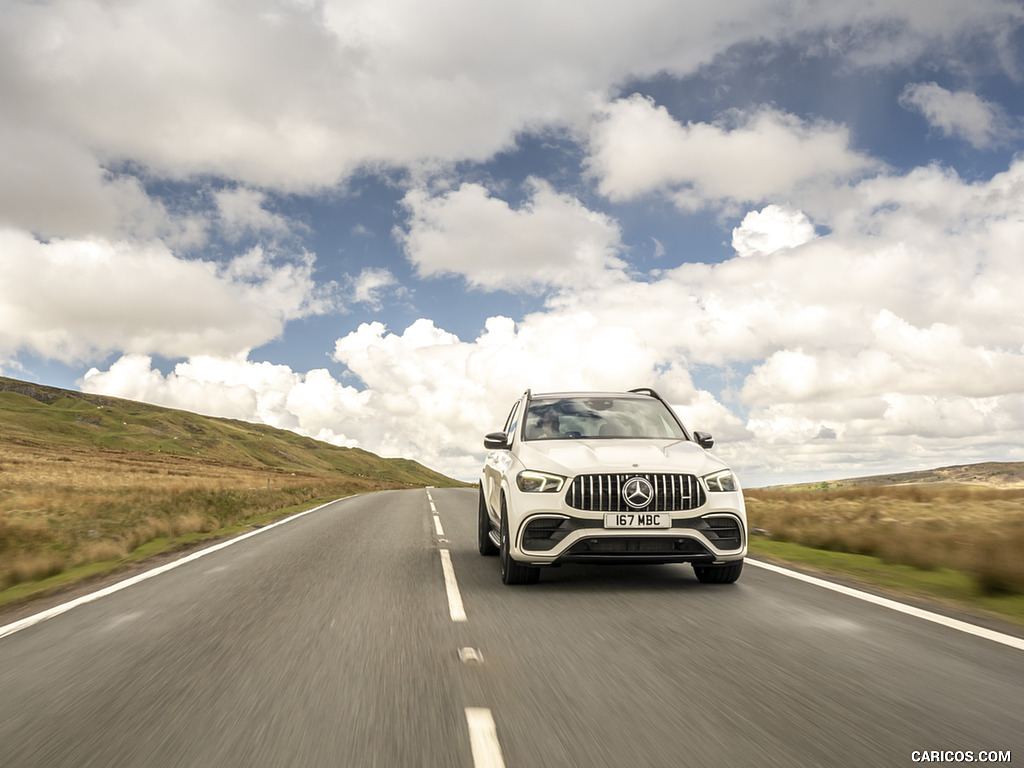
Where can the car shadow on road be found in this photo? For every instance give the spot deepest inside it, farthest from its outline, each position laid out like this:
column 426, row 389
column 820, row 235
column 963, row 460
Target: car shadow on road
column 639, row 578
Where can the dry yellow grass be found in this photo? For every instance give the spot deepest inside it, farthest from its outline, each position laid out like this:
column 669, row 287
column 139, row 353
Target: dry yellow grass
column 61, row 508
column 977, row 530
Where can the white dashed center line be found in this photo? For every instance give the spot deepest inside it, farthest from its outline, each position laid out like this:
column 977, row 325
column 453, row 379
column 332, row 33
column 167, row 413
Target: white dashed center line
column 483, row 733
column 483, row 738
column 451, row 586
column 437, row 518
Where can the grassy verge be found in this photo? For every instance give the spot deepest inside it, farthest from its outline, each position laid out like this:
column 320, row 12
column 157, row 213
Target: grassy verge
column 975, row 531
column 945, row 585
column 159, row 546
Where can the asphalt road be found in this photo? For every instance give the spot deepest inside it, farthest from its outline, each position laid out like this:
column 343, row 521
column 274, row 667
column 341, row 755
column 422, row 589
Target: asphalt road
column 330, row 641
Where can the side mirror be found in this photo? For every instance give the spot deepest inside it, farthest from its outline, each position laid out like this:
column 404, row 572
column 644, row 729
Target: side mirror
column 704, row 439
column 496, row 441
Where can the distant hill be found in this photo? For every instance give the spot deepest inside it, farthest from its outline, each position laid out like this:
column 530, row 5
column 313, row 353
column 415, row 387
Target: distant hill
column 32, row 414
column 990, row 474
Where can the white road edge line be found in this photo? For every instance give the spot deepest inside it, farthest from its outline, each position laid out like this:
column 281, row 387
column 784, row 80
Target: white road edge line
column 42, row 616
column 961, row 626
column 452, row 587
column 483, row 738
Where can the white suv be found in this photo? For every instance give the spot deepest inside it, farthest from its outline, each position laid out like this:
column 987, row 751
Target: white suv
column 602, row 477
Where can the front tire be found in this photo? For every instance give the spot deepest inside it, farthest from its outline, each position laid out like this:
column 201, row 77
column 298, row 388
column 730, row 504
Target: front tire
column 483, row 529
column 718, row 574
column 511, row 571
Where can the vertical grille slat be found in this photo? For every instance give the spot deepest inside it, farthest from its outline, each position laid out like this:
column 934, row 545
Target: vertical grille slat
column 603, row 492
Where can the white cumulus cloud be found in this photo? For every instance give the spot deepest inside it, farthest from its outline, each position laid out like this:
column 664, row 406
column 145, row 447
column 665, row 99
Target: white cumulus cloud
column 76, row 299
column 242, row 211
column 370, row 284
column 772, row 228
column 639, row 148
column 552, row 239
column 297, row 96
column 426, row 394
column 961, row 114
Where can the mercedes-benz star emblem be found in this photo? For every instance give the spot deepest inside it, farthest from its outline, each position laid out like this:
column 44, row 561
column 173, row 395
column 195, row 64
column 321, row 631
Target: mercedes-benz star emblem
column 637, row 492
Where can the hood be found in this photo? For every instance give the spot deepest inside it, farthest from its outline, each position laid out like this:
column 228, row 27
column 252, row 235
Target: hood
column 581, row 457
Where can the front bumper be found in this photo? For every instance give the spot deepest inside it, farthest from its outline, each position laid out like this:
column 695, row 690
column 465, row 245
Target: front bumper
column 549, row 532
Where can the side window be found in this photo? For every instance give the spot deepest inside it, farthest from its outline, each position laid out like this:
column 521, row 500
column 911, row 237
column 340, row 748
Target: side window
column 512, row 421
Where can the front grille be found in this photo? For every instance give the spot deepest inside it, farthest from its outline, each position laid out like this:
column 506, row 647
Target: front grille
column 603, row 493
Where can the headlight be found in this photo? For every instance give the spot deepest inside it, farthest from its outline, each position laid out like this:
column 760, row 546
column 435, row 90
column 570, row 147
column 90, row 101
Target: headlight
column 721, row 481
column 539, row 482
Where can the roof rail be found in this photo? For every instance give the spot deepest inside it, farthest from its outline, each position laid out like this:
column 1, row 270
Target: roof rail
column 656, row 396
column 646, row 391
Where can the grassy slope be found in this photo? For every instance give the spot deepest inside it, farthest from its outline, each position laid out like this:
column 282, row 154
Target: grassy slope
column 990, row 474
column 33, row 414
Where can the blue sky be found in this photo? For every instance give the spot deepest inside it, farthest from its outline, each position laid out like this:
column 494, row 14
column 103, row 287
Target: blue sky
column 378, row 223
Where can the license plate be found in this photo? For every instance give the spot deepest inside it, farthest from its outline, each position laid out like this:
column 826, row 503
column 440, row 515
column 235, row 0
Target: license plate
column 637, row 520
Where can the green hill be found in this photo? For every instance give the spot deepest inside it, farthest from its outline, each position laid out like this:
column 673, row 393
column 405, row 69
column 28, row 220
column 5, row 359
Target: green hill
column 31, row 414
column 989, row 474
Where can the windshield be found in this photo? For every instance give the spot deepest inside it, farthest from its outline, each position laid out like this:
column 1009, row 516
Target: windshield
column 600, row 418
